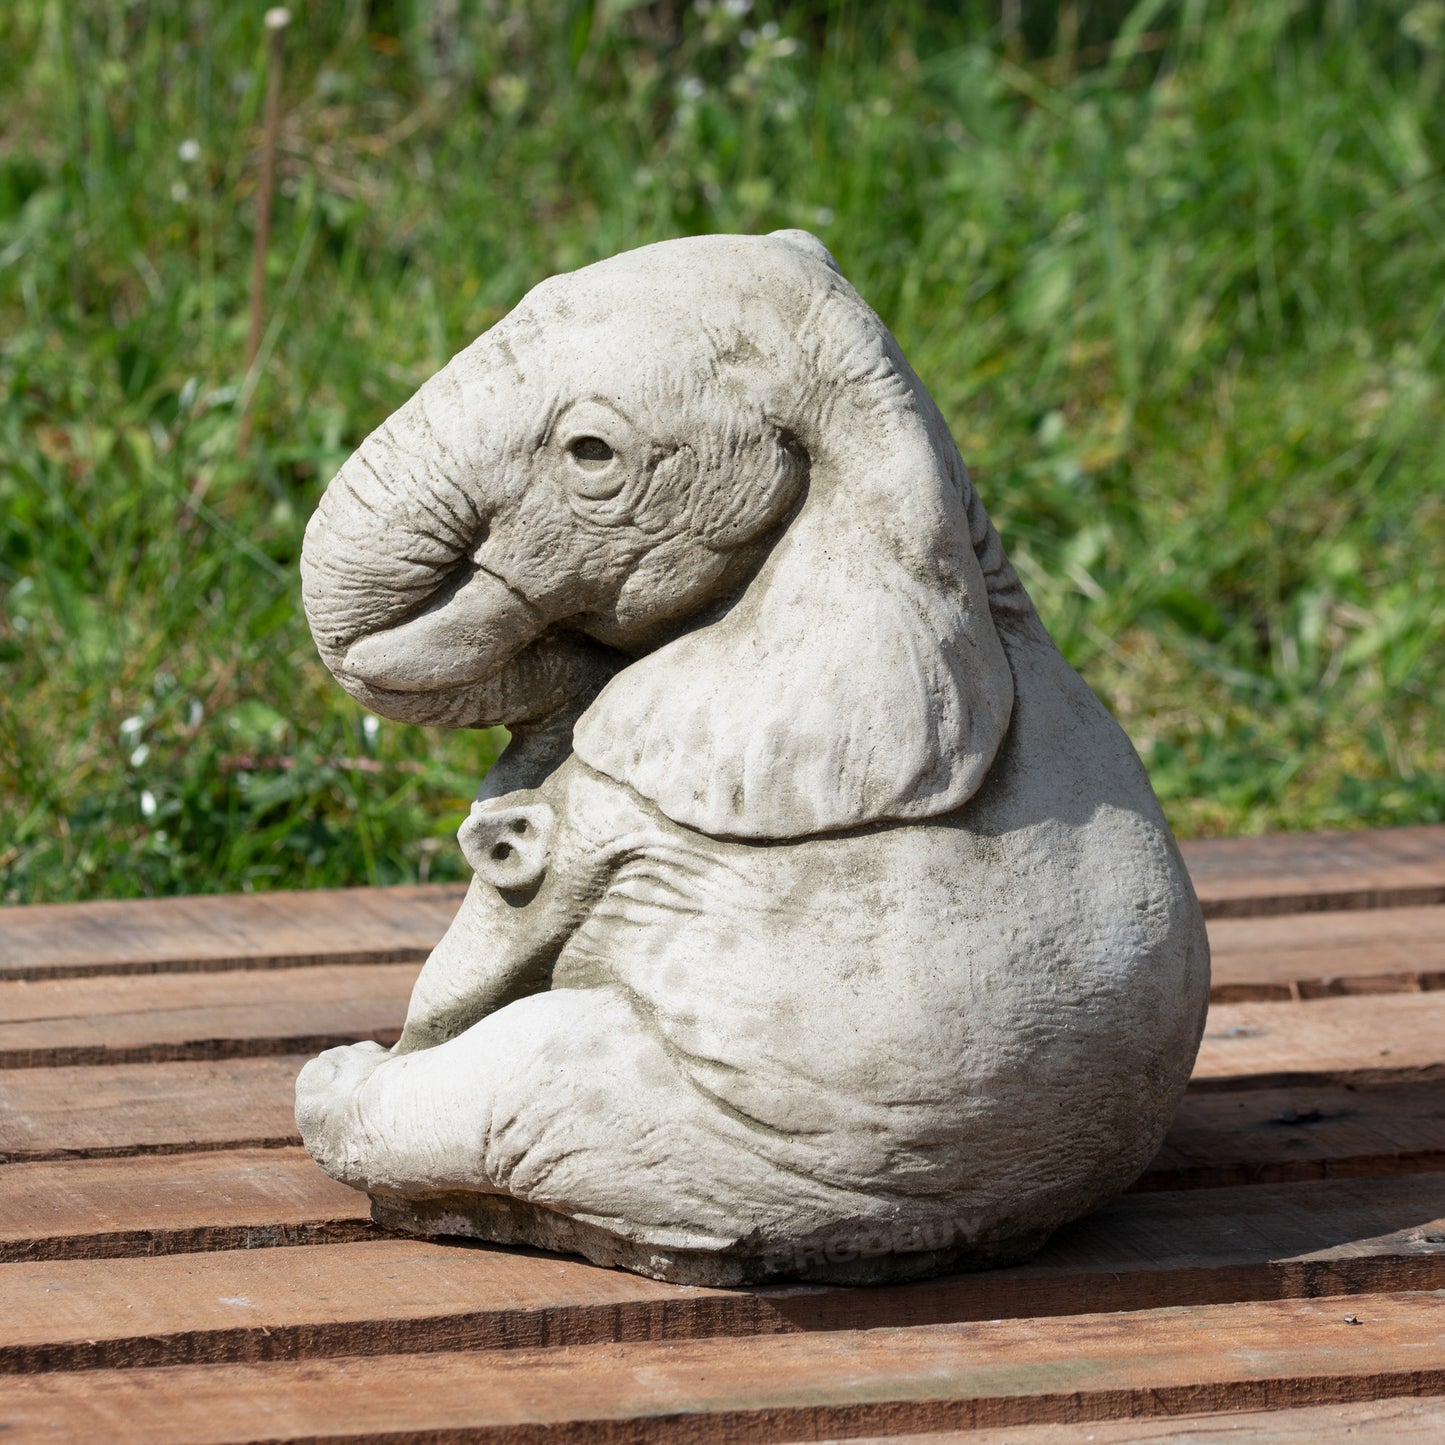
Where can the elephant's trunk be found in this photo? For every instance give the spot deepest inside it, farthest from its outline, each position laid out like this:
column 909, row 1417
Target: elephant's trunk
column 410, row 624
column 394, row 522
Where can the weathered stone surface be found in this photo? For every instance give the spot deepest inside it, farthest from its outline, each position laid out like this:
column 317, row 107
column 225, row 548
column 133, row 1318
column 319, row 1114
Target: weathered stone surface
column 823, row 923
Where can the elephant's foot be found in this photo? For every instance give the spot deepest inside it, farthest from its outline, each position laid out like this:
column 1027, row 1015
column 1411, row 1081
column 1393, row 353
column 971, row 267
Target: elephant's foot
column 866, row 1254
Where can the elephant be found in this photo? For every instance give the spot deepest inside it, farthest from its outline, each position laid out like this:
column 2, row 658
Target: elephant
column 822, row 925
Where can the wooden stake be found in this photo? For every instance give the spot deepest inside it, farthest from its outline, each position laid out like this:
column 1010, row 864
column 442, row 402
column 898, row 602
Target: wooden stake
column 277, row 20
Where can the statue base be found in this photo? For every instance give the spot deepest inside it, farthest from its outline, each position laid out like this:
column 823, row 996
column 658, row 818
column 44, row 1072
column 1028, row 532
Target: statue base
column 860, row 1258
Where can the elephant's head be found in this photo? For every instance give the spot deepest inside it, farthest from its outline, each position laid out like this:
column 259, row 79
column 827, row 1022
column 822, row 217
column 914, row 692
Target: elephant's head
column 695, row 499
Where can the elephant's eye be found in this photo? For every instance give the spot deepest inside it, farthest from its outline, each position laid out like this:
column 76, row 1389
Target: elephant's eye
column 590, row 452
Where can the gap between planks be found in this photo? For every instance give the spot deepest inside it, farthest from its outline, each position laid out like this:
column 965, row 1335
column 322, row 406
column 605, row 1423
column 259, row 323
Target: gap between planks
column 1259, row 1355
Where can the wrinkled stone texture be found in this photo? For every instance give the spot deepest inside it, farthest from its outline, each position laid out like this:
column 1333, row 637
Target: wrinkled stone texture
column 823, row 924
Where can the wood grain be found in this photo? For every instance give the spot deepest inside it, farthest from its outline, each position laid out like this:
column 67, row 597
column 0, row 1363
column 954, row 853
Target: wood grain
column 246, row 1013
column 406, row 1295
column 1304, row 872
column 1226, row 1136
column 1379, row 1038
column 1235, row 877
column 1410, row 1422
column 1222, row 1138
column 253, row 1012
column 1261, row 1355
column 174, row 1204
column 244, row 930
column 147, row 1108
column 1315, row 955
column 161, row 1215
column 169, row 1203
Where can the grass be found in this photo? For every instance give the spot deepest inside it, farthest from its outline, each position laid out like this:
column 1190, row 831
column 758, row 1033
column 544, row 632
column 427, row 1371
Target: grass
column 1175, row 273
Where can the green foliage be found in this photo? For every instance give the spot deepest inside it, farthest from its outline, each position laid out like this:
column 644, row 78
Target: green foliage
column 1173, row 272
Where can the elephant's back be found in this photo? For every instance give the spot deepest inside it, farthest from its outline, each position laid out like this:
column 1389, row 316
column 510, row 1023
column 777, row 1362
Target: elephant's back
column 1087, row 966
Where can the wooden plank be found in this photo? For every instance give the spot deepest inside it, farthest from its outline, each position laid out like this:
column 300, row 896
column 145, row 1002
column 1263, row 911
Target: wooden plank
column 147, row 1108
column 806, row 1385
column 225, row 1199
column 242, row 930
column 1302, row 872
column 1315, row 955
column 1329, row 1088
column 91, row 1208
column 1235, row 877
column 1270, row 1136
column 143, row 1018
column 1318, row 1067
column 174, row 1204
column 1378, row 1038
column 1403, row 1420
column 250, row 1012
column 392, row 1295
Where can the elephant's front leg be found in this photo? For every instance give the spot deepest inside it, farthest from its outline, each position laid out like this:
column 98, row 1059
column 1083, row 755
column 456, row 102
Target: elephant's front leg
column 526, row 897
column 531, row 887
column 542, row 860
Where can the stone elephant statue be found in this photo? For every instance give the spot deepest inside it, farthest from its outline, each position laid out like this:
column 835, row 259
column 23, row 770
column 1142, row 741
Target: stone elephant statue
column 823, row 925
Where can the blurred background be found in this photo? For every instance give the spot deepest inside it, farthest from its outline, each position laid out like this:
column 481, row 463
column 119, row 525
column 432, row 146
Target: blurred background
column 1175, row 273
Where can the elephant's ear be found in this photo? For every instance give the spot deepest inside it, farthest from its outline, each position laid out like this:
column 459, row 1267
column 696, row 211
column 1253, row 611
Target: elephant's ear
column 859, row 679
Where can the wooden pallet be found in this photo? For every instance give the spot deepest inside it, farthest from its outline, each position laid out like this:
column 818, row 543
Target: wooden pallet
column 175, row 1268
